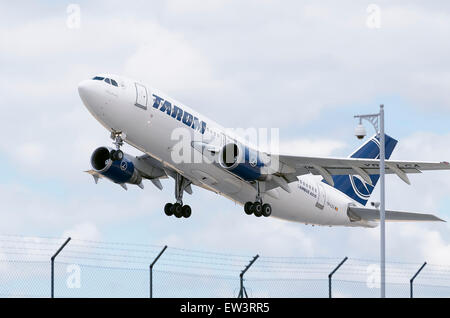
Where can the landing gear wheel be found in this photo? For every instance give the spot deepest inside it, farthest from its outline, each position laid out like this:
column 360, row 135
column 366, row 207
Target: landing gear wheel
column 119, row 154
column 257, row 209
column 168, row 209
column 177, row 210
column 248, row 208
column 186, row 211
column 116, row 155
column 266, row 210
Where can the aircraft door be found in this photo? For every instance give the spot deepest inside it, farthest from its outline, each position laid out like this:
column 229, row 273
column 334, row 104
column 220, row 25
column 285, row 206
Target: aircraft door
column 141, row 96
column 320, row 196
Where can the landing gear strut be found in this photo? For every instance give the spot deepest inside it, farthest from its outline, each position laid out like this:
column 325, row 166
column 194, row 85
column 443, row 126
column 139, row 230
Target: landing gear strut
column 178, row 209
column 257, row 208
column 116, row 154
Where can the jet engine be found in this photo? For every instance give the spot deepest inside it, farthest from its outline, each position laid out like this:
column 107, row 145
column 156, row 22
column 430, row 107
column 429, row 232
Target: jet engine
column 119, row 171
column 242, row 161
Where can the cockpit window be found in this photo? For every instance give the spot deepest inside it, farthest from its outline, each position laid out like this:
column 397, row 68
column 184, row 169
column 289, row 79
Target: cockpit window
column 107, row 80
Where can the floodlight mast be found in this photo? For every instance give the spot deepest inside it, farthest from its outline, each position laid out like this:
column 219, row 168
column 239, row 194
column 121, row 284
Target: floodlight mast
column 377, row 120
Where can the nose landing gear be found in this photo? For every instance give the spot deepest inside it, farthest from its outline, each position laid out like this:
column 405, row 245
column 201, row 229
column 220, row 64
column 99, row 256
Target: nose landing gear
column 257, row 208
column 178, row 209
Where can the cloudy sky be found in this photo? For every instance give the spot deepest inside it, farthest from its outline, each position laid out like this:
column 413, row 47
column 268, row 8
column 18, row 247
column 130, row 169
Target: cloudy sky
column 302, row 66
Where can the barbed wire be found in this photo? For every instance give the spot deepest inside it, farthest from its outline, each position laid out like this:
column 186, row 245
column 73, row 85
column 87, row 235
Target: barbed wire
column 152, row 248
column 122, row 254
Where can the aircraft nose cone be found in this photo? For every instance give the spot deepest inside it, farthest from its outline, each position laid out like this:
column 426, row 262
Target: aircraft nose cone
column 84, row 88
column 87, row 92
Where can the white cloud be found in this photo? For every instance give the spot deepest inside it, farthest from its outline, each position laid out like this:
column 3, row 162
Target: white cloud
column 232, row 231
column 30, row 153
column 196, row 6
column 83, row 231
column 428, row 189
column 426, row 242
column 310, row 147
column 429, row 241
column 168, row 62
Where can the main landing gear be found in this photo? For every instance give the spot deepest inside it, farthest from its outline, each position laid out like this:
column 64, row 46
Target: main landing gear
column 178, row 209
column 116, row 154
column 257, row 208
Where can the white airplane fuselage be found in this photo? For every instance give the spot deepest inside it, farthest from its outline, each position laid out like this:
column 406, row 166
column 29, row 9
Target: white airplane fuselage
column 149, row 129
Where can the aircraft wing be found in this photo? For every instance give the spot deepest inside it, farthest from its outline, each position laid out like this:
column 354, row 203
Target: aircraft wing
column 327, row 167
column 357, row 214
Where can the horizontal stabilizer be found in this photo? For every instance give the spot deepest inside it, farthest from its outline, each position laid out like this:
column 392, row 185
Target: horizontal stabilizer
column 358, row 214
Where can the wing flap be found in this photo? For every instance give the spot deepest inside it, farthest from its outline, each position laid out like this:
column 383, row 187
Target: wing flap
column 337, row 166
column 327, row 167
column 366, row 214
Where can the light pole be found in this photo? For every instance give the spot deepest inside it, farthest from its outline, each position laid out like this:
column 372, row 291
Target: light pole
column 377, row 120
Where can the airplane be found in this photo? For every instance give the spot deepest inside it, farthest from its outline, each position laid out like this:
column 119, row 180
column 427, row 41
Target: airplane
column 310, row 190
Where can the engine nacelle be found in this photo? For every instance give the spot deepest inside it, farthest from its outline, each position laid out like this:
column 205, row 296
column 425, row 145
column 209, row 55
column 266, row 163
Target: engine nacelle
column 242, row 161
column 119, row 171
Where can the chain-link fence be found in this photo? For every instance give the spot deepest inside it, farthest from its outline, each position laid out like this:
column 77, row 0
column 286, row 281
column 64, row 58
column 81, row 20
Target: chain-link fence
column 105, row 269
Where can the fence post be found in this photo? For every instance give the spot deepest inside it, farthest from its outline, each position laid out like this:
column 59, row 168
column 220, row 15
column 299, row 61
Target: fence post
column 331, row 275
column 151, row 270
column 242, row 290
column 412, row 279
column 53, row 266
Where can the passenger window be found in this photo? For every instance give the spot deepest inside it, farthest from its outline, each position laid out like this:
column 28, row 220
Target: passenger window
column 114, row 82
column 107, row 80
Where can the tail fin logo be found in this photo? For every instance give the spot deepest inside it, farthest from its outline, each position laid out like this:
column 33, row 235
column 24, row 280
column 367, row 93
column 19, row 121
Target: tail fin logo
column 354, row 186
column 361, row 188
